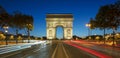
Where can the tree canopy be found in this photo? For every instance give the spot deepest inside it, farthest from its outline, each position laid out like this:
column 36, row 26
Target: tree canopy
column 17, row 20
column 108, row 16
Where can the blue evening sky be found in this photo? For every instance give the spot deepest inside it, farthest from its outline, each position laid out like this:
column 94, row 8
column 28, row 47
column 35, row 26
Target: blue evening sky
column 82, row 10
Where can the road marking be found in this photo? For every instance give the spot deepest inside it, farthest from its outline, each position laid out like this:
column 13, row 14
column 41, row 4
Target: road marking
column 65, row 51
column 37, row 50
column 53, row 55
column 33, row 51
column 43, row 46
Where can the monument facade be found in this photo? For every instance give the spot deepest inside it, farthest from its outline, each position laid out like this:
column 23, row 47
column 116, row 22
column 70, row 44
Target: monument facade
column 55, row 20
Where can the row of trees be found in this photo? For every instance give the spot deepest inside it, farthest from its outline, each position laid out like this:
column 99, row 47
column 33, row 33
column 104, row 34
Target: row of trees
column 108, row 17
column 16, row 21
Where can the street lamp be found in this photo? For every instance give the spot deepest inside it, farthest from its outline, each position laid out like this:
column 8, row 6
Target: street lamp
column 5, row 27
column 88, row 25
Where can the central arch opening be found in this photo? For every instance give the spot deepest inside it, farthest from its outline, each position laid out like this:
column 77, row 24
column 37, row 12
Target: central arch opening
column 59, row 32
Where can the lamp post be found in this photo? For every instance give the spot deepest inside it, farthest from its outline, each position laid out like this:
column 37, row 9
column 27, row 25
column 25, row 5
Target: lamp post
column 88, row 25
column 5, row 27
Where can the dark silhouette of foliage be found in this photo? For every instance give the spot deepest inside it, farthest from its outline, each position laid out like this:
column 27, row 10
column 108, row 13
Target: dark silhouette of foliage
column 5, row 18
column 108, row 17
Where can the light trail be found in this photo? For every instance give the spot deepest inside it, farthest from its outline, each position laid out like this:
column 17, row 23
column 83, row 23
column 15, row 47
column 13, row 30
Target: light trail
column 96, row 53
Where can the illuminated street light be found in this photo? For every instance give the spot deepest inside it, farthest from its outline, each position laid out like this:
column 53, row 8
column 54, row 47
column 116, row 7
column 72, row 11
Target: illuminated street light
column 88, row 25
column 117, row 34
column 5, row 27
column 6, row 31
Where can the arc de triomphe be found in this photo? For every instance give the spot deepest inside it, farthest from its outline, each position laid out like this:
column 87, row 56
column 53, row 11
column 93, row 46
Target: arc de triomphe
column 55, row 20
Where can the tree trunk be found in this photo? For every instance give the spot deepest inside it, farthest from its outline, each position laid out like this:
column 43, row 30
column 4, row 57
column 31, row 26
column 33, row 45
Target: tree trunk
column 104, row 36
column 28, row 36
column 16, row 36
column 113, row 37
column 6, row 39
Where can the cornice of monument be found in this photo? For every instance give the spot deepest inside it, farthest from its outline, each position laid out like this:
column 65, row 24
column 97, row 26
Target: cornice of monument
column 59, row 15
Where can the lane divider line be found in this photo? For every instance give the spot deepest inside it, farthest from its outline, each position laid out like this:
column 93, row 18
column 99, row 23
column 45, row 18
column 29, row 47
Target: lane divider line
column 37, row 50
column 65, row 51
column 53, row 55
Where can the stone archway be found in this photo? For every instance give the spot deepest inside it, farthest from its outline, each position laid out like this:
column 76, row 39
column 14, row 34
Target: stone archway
column 55, row 20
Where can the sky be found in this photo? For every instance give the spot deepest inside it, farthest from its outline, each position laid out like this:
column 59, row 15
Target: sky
column 82, row 11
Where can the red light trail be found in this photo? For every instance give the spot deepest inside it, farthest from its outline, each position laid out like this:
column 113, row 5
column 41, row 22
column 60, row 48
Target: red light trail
column 91, row 51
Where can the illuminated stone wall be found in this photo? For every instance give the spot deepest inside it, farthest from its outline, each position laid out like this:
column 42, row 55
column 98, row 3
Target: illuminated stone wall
column 55, row 20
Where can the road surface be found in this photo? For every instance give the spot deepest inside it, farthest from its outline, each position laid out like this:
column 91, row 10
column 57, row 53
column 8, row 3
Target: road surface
column 55, row 49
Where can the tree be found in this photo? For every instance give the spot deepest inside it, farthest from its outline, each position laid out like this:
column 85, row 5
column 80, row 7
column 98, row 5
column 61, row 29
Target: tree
column 2, row 11
column 74, row 37
column 17, row 23
column 22, row 21
column 2, row 36
column 93, row 23
column 28, row 24
column 108, row 17
column 114, row 17
column 5, row 20
column 102, row 20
